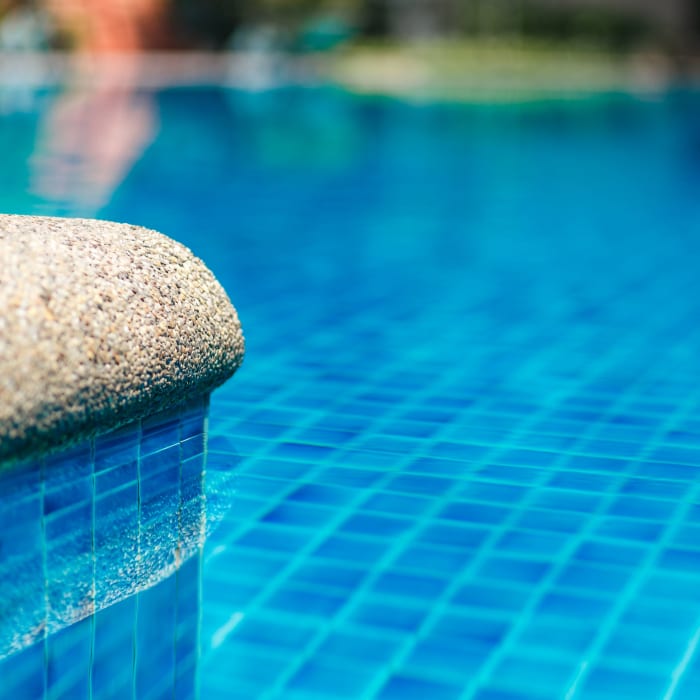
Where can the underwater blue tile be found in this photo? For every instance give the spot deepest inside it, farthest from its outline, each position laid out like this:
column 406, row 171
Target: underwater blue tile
column 607, row 681
column 237, row 593
column 116, row 477
column 352, row 549
column 410, row 429
column 639, row 507
column 192, row 447
column 267, row 431
column 19, row 482
column 458, row 450
column 492, row 492
column 21, row 528
column 474, row 512
column 536, row 676
column 356, row 648
column 313, row 454
column 381, row 462
column 331, row 438
column 419, row 485
column 186, row 640
column 163, row 422
column 114, row 650
column 406, row 687
column 527, row 458
column 300, row 515
column 349, row 477
column 249, row 670
column 572, row 636
column 508, row 474
column 538, row 544
column 526, row 571
column 677, row 455
column 155, row 638
column 580, row 481
column 671, row 586
column 64, row 523
column 72, row 679
column 435, row 657
column 385, row 615
column 322, row 495
column 185, row 682
column 667, row 470
column 470, row 628
column 116, row 448
column 161, row 465
column 680, row 559
column 250, row 564
column 376, row 525
column 274, row 538
column 593, row 577
column 655, row 488
column 312, row 572
column 68, row 495
column 22, row 675
column 452, row 535
column 262, row 488
column 297, row 601
column 570, row 501
column 389, row 503
column 634, row 645
column 610, row 553
column 66, row 465
column 320, row 676
column 188, row 584
column 278, row 469
column 490, row 692
column 551, row 520
column 399, row 584
column 268, row 632
column 661, row 614
column 432, row 466
column 635, row 530
column 192, row 425
column 487, row 596
column 597, row 464
column 158, row 488
column 570, row 605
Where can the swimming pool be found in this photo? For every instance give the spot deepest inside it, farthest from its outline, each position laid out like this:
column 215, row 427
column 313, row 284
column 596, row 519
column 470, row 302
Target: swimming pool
column 466, row 430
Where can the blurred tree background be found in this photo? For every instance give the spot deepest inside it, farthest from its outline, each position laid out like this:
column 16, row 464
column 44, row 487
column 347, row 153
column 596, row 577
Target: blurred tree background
column 316, row 24
column 614, row 24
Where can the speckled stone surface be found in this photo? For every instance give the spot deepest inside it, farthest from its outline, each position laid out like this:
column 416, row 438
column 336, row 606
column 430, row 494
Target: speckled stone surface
column 100, row 324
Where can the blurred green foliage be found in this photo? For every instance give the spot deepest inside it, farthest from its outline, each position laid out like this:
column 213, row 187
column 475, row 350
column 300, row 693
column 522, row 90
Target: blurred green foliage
column 606, row 23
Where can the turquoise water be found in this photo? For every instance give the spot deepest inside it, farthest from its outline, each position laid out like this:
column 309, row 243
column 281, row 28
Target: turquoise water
column 466, row 431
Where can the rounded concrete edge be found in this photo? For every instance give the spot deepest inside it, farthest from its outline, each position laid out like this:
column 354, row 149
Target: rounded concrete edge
column 102, row 324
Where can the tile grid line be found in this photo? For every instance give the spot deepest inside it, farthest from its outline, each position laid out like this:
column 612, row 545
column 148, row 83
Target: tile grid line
column 575, row 541
column 390, row 556
column 441, row 603
column 647, row 566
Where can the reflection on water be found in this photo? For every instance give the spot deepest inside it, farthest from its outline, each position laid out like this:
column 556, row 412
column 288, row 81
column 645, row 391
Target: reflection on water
column 92, row 134
column 100, row 562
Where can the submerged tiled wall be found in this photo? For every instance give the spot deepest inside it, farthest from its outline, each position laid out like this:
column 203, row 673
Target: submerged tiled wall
column 100, row 565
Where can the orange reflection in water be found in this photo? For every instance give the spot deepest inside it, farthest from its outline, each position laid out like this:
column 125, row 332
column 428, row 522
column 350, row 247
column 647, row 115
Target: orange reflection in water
column 93, row 134
column 112, row 25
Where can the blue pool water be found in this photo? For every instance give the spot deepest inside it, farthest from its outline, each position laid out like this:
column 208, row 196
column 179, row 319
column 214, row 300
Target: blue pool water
column 466, row 434
column 100, row 571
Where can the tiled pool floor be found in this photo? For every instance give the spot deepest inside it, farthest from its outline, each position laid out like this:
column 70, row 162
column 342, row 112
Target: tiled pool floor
column 467, row 431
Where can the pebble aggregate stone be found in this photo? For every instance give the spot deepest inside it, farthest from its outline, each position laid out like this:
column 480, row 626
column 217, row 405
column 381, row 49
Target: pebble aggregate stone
column 100, row 324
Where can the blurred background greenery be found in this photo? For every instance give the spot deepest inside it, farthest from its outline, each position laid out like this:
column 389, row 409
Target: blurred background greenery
column 303, row 25
column 464, row 49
